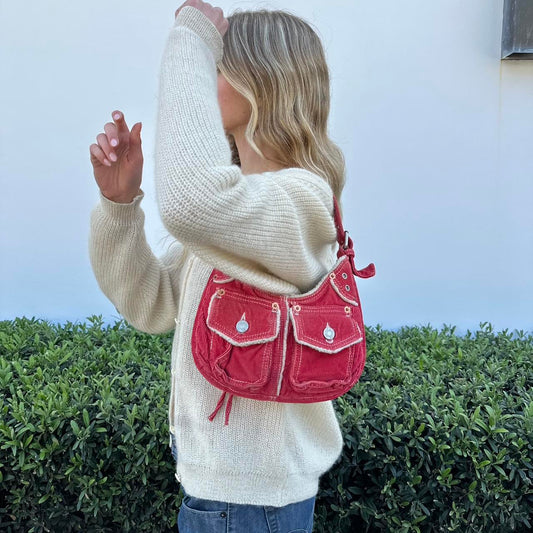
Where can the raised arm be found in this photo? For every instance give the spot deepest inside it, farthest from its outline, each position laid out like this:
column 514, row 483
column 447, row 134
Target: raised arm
column 273, row 229
column 143, row 288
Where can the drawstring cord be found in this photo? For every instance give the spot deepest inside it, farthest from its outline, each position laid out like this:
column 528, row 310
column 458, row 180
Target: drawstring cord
column 219, row 405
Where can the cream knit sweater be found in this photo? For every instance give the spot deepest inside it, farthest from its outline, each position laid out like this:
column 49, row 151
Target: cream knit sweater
column 274, row 230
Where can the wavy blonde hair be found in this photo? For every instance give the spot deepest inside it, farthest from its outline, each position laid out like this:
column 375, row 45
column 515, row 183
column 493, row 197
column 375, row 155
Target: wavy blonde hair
column 277, row 62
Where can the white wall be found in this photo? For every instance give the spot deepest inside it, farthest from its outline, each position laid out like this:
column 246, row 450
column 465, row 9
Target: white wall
column 436, row 131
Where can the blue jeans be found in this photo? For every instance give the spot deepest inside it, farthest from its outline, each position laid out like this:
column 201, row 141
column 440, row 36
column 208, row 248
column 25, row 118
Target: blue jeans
column 197, row 515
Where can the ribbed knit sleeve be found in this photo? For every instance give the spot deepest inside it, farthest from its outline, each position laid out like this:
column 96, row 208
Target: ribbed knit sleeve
column 143, row 288
column 274, row 229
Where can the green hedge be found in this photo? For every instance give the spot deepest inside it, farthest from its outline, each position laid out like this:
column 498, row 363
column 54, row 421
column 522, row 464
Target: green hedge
column 84, row 429
column 438, row 432
column 439, row 435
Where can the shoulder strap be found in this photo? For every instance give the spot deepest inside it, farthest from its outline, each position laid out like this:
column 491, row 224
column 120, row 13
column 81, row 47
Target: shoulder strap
column 341, row 234
column 346, row 245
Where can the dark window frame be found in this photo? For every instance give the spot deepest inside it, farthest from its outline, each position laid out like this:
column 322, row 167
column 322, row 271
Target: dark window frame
column 517, row 29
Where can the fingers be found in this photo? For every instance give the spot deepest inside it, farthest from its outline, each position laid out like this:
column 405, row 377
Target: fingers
column 103, row 143
column 223, row 24
column 112, row 134
column 98, row 155
column 120, row 123
column 116, row 134
column 135, row 140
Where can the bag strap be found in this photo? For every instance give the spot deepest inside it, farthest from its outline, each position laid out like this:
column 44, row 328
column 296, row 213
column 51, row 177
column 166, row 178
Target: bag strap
column 346, row 245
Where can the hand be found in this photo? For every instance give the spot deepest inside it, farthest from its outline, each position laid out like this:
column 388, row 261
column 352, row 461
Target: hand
column 117, row 160
column 214, row 14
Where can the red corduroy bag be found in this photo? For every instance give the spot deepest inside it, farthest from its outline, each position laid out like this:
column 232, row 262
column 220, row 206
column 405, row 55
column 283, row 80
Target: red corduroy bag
column 297, row 349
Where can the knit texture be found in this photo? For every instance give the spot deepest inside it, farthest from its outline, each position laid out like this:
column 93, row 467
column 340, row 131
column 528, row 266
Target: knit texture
column 273, row 230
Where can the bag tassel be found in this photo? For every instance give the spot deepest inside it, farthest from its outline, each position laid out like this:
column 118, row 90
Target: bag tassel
column 219, row 405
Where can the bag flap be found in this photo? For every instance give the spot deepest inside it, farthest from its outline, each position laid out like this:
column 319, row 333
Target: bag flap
column 328, row 329
column 243, row 319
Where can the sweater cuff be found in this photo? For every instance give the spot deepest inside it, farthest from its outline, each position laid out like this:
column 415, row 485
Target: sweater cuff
column 195, row 20
column 122, row 213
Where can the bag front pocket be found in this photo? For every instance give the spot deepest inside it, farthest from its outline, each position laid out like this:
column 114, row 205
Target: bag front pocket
column 244, row 329
column 328, row 349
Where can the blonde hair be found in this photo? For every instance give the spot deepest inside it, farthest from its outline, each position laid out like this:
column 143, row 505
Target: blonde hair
column 277, row 62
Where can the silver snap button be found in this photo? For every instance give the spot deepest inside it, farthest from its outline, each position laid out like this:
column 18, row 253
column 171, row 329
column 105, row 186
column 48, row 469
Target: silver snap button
column 347, row 287
column 223, row 515
column 242, row 326
column 329, row 333
column 344, row 275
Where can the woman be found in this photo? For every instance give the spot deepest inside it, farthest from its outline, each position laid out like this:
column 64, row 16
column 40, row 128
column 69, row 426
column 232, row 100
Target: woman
column 245, row 176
